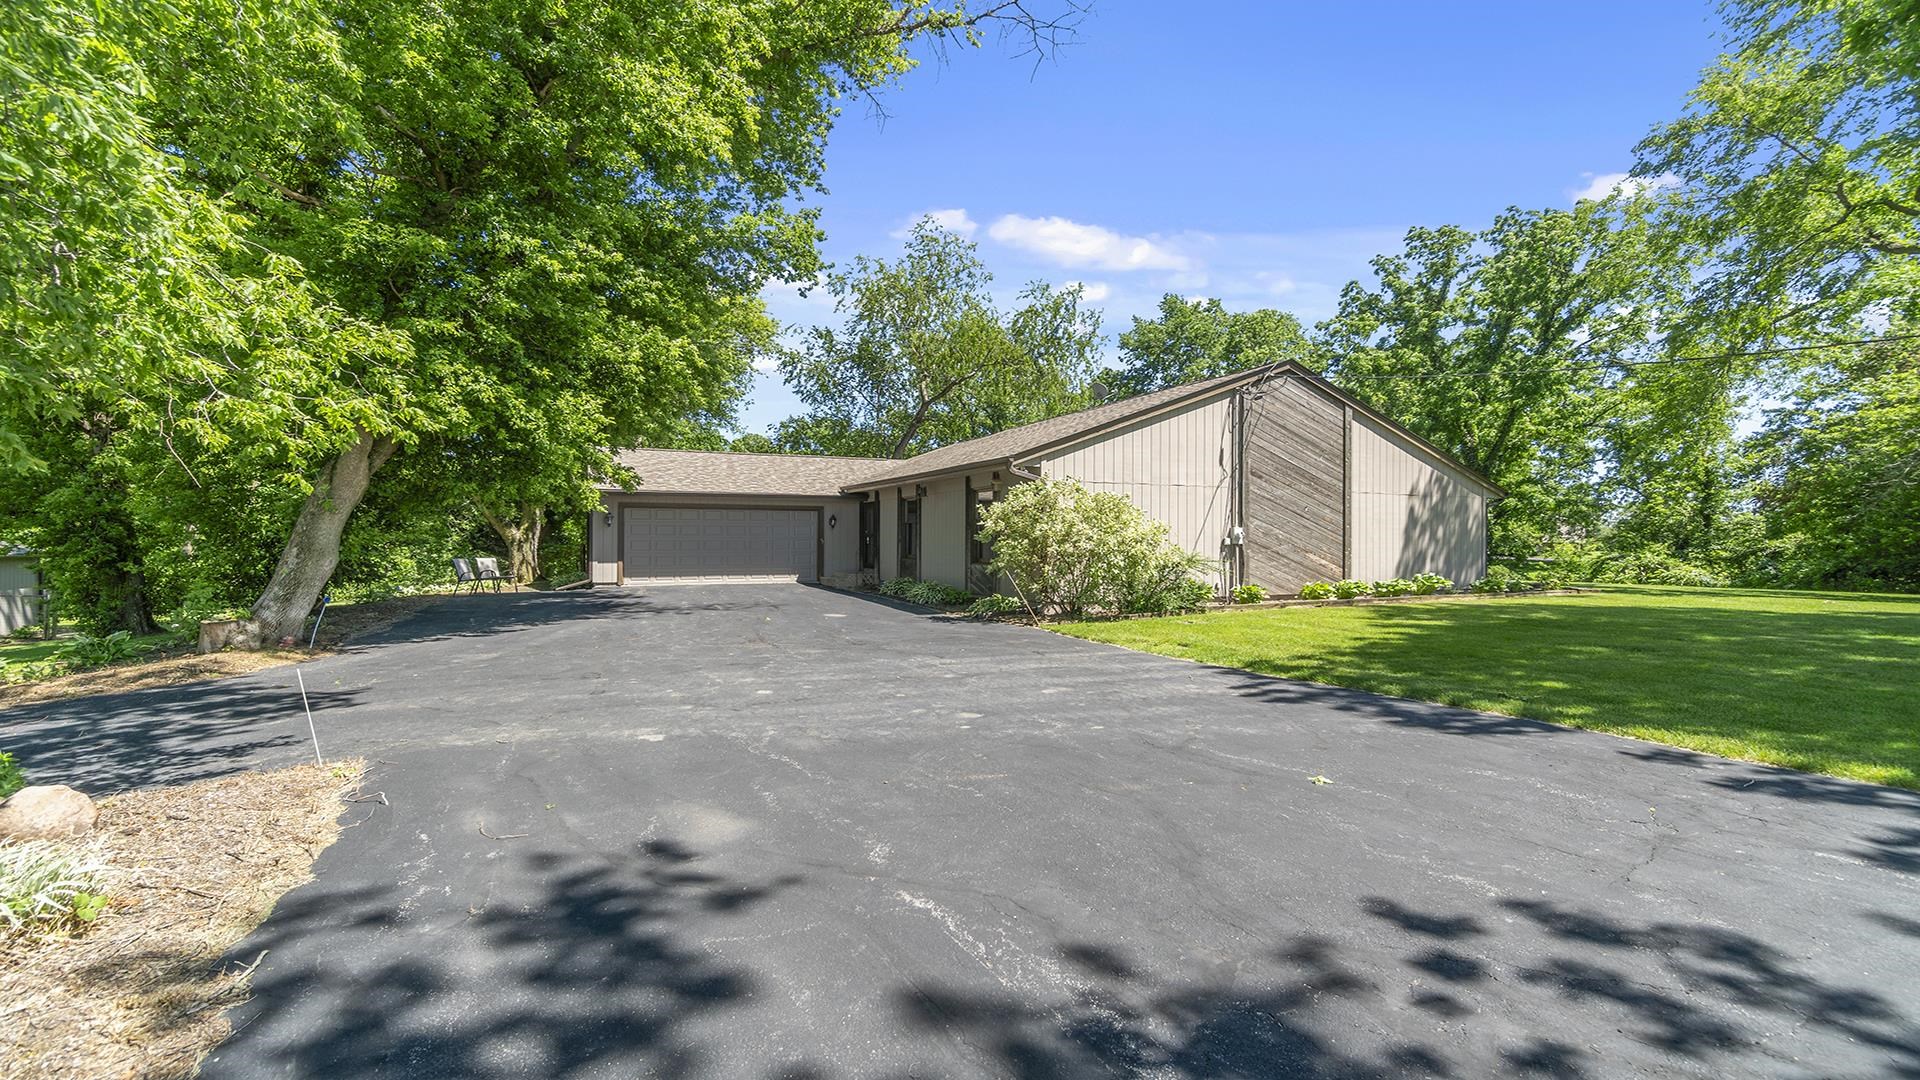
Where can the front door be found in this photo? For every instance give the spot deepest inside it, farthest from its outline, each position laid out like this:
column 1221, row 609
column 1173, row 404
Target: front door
column 909, row 538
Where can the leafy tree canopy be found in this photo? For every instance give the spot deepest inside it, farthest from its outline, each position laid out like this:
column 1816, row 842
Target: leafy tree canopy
column 1796, row 168
column 484, row 240
column 925, row 358
column 1199, row 339
column 1504, row 347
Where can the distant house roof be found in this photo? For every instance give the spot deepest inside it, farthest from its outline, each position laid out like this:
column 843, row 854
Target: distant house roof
column 690, row 472
column 1014, row 444
column 14, row 551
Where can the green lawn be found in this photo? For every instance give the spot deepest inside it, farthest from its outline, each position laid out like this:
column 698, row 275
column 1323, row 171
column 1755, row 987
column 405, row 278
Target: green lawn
column 1828, row 682
column 15, row 650
column 21, row 650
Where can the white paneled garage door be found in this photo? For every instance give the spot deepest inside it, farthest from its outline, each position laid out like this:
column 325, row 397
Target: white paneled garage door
column 717, row 543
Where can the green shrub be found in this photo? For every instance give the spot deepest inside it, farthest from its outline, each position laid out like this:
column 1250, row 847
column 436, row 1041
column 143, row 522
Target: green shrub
column 1500, row 579
column 1654, row 568
column 1248, row 593
column 1184, row 595
column 996, row 604
column 1428, row 584
column 26, row 671
column 1165, row 584
column 87, row 651
column 1349, row 588
column 1495, row 581
column 1316, row 590
column 203, row 603
column 47, row 886
column 11, row 778
column 1076, row 552
column 1394, row 587
column 929, row 593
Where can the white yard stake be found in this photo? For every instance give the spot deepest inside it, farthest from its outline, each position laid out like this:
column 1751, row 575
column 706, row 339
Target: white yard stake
column 315, row 732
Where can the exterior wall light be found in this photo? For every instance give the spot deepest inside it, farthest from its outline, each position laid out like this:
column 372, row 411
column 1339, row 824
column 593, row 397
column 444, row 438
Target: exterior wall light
column 832, row 520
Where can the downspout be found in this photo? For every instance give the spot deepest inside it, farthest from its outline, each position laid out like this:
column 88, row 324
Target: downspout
column 1238, row 573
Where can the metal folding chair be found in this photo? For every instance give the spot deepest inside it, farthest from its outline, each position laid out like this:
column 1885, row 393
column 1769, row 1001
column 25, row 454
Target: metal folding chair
column 489, row 570
column 463, row 575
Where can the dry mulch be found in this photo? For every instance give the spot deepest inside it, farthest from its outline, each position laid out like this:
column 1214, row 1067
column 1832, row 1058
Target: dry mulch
column 142, row 993
column 340, row 626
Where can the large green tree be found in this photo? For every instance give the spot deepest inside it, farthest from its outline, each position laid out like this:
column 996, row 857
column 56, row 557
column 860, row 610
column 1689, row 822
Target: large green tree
column 1793, row 181
column 1507, row 348
column 1796, row 169
column 547, row 206
column 1837, row 475
column 925, row 357
column 1199, row 339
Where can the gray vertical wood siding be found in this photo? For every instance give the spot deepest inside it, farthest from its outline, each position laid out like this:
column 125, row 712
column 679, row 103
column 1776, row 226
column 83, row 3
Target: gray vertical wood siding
column 1414, row 512
column 1176, row 467
column 1295, row 512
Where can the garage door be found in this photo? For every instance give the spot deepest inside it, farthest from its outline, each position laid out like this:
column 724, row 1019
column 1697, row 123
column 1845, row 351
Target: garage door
column 715, row 544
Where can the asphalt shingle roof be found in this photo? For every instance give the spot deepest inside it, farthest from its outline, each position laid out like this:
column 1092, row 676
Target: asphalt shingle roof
column 719, row 473
column 725, row 473
column 1015, row 443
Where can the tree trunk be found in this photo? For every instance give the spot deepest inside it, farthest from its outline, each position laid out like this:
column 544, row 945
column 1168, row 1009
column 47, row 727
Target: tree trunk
column 135, row 613
column 521, row 533
column 313, row 547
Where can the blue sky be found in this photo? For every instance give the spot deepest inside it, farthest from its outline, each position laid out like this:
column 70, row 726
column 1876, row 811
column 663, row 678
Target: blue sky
column 1260, row 153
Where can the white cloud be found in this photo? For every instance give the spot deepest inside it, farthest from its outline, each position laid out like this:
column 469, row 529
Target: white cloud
column 1275, row 283
column 1091, row 292
column 789, row 292
column 1605, row 185
column 953, row 220
column 1070, row 243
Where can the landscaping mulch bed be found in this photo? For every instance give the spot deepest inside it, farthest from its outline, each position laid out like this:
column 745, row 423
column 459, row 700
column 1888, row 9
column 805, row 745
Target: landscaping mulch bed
column 142, row 993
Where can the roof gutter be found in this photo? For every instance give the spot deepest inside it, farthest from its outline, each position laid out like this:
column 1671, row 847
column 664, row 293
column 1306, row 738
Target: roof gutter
column 914, row 478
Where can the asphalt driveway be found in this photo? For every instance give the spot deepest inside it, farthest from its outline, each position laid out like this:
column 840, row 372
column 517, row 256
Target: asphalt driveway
column 776, row 831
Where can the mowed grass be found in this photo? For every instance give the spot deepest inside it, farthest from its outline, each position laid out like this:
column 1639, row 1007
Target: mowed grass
column 1827, row 682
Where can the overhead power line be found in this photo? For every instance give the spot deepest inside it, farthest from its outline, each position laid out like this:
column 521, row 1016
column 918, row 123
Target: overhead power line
column 1658, row 362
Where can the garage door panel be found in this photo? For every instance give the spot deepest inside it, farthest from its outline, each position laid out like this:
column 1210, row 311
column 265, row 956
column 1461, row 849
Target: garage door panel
column 730, row 543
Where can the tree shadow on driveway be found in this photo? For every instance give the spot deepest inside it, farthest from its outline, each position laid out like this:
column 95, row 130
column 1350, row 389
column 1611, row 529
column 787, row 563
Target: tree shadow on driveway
column 591, row 971
column 1443, row 994
column 167, row 735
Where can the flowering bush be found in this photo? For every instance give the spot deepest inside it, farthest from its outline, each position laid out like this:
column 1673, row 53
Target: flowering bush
column 1074, row 552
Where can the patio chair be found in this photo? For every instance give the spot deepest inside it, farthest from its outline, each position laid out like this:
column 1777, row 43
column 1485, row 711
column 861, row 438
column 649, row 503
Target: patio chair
column 463, row 575
column 489, row 570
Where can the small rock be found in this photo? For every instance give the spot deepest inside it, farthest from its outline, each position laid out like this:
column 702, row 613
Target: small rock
column 46, row 812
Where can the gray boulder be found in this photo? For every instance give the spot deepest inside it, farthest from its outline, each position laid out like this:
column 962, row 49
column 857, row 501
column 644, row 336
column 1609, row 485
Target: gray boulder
column 47, row 812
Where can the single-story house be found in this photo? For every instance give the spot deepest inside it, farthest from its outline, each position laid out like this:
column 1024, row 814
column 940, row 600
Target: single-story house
column 1276, row 473
column 20, row 588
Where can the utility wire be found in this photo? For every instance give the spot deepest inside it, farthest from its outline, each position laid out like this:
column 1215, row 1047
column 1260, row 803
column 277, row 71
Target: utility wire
column 1658, row 362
